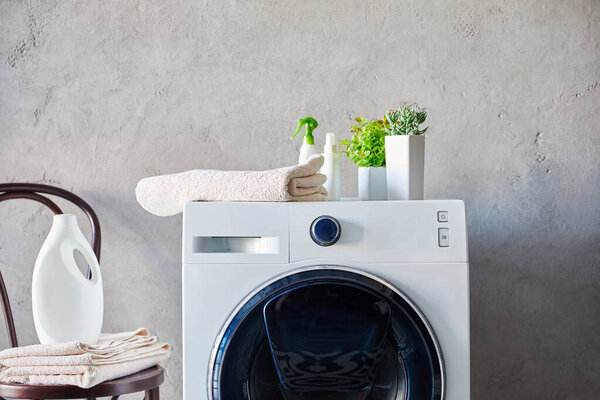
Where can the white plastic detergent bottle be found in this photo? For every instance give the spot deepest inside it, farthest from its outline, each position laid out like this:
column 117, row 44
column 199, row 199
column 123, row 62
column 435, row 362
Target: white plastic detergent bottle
column 66, row 305
column 331, row 167
column 308, row 143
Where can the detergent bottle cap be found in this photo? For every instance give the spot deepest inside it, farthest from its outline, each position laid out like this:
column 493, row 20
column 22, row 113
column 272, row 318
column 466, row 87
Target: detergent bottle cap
column 311, row 124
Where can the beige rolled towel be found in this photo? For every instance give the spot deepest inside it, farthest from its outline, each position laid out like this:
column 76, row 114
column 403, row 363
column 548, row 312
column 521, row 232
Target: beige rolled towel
column 167, row 195
column 80, row 364
column 307, row 186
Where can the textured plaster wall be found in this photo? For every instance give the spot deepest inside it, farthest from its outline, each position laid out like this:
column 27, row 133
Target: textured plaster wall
column 96, row 95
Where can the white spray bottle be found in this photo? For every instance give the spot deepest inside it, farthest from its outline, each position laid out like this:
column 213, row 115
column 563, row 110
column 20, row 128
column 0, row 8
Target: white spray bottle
column 308, row 143
column 331, row 167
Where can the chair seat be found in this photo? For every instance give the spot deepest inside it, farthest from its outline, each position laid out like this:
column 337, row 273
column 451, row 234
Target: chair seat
column 144, row 380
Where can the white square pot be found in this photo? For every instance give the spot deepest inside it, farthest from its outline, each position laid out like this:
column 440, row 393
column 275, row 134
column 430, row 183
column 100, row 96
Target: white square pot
column 405, row 164
column 371, row 183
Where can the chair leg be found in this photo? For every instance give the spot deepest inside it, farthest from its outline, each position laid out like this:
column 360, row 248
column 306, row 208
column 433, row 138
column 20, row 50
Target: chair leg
column 152, row 394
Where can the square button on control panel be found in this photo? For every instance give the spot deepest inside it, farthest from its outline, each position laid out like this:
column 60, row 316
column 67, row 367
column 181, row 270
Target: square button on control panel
column 442, row 216
column 444, row 237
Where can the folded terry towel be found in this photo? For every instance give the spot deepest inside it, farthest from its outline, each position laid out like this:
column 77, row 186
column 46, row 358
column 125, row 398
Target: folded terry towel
column 80, row 364
column 166, row 195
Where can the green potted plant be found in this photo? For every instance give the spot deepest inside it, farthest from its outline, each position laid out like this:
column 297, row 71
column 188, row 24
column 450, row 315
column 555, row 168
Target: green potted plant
column 405, row 152
column 366, row 148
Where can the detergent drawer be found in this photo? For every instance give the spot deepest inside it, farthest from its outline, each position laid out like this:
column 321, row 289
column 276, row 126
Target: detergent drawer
column 228, row 232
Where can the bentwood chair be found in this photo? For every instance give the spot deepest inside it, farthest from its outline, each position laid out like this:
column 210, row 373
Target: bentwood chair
column 147, row 381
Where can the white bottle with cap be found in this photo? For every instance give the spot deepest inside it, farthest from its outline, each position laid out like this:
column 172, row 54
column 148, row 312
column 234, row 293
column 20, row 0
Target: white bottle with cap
column 331, row 167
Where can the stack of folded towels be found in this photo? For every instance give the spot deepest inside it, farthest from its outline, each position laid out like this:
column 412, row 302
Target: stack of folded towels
column 84, row 365
column 166, row 195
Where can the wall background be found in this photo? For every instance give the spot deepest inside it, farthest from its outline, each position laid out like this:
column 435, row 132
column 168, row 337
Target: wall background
column 96, row 95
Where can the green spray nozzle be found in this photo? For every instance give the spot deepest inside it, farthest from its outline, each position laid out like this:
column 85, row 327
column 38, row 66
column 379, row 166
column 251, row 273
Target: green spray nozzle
column 311, row 124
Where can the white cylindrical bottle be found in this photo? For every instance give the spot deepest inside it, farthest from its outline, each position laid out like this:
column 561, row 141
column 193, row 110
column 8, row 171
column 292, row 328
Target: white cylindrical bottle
column 331, row 167
column 66, row 305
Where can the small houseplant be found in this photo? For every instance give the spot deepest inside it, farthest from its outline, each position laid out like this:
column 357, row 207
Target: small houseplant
column 366, row 148
column 405, row 152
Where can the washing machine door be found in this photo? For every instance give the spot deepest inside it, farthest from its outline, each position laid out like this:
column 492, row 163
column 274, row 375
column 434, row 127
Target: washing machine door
column 326, row 333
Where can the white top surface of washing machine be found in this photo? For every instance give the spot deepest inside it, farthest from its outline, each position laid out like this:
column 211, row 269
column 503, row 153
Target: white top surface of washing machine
column 370, row 302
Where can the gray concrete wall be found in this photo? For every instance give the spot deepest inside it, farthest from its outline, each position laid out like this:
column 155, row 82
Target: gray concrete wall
column 96, row 95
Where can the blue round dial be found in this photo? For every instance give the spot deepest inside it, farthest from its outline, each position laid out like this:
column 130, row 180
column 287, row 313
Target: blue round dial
column 325, row 230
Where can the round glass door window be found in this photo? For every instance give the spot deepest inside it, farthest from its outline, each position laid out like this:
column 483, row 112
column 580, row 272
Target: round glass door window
column 326, row 333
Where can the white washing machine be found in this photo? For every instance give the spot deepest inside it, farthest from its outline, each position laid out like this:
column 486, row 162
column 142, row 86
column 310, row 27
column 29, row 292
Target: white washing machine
column 325, row 301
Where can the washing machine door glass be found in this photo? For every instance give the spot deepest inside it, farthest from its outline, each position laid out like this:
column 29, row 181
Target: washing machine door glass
column 326, row 333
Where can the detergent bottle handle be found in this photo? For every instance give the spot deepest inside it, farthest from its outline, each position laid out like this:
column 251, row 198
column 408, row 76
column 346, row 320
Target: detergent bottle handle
column 74, row 240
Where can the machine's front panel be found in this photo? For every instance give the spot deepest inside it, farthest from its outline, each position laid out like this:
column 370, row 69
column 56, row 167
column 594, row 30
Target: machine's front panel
column 248, row 310
column 444, row 307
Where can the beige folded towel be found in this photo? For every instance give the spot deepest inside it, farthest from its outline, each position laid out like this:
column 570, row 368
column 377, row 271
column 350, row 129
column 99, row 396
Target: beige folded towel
column 84, row 376
column 80, row 364
column 167, row 195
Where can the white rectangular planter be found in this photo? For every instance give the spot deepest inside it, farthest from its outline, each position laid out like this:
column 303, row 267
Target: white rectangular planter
column 371, row 183
column 405, row 164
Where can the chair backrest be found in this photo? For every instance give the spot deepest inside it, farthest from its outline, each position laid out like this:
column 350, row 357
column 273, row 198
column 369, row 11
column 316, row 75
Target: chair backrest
column 32, row 191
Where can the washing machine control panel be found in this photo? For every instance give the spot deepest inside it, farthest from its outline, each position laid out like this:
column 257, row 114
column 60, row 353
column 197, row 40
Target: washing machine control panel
column 358, row 232
column 325, row 230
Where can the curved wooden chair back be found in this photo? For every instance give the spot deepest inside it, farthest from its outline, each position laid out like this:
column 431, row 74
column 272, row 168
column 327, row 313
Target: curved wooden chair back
column 32, row 191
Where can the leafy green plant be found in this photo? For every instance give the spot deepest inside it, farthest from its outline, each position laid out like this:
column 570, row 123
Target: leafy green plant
column 366, row 147
column 405, row 121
